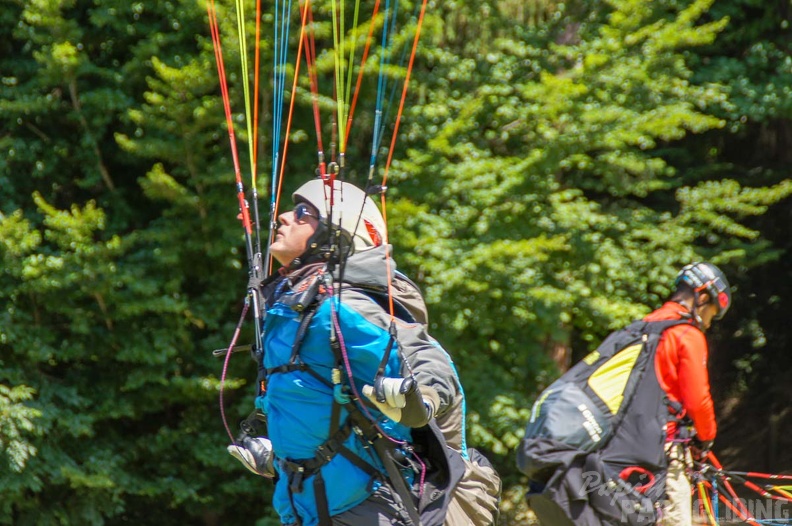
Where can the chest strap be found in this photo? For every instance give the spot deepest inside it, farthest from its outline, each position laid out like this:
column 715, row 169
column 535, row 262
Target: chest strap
column 298, row 470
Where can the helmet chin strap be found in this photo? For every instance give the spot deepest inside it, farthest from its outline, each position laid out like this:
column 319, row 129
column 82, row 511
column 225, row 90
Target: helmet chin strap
column 694, row 309
column 313, row 250
column 319, row 246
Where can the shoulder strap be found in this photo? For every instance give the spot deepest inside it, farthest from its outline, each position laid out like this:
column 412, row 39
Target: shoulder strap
column 657, row 327
column 381, row 299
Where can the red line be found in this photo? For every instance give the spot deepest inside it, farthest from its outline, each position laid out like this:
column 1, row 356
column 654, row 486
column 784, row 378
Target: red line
column 764, row 475
column 715, row 462
column 310, row 60
column 229, row 121
column 763, row 493
column 230, row 350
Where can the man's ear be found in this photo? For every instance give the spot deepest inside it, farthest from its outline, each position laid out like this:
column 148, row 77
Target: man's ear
column 703, row 299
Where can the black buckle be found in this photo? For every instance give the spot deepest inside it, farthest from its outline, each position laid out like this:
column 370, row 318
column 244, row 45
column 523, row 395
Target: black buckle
column 296, row 480
column 327, row 451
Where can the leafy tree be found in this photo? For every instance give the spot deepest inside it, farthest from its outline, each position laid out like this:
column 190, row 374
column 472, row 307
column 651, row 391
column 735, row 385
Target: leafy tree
column 550, row 205
column 120, row 273
column 122, row 264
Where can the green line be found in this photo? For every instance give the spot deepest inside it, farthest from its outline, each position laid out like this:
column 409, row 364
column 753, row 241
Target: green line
column 240, row 9
column 342, row 89
column 351, row 68
column 338, row 53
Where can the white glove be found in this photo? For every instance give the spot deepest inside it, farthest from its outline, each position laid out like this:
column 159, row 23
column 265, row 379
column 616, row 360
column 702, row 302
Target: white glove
column 256, row 454
column 392, row 398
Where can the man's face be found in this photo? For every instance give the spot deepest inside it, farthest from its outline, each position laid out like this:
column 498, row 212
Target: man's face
column 296, row 228
column 706, row 311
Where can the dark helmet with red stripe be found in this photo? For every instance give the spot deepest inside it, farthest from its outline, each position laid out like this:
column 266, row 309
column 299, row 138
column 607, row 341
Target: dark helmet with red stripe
column 706, row 277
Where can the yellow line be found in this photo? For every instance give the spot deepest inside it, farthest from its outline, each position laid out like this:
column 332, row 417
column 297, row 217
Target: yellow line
column 240, row 10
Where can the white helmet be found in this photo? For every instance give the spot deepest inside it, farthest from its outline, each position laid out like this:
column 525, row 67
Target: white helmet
column 353, row 211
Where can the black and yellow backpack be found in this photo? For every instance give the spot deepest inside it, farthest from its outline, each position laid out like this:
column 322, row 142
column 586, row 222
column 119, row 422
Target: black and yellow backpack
column 593, row 448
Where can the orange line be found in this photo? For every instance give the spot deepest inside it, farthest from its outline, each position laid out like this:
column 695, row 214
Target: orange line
column 715, row 462
column 706, row 503
column 393, row 145
column 783, row 492
column 387, row 259
column 404, row 93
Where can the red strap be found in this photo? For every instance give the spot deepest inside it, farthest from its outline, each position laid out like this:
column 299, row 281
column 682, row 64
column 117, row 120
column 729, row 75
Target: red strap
column 627, row 472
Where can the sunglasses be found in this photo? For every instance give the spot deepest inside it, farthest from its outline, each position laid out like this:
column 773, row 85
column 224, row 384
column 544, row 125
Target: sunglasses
column 303, row 210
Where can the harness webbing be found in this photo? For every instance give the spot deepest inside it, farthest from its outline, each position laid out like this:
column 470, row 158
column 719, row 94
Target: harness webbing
column 322, row 506
column 366, row 430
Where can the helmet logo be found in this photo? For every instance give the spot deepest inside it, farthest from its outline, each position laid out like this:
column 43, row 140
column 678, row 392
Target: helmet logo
column 723, row 300
column 375, row 236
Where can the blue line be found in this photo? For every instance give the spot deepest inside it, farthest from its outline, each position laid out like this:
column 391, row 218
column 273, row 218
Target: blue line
column 463, row 445
column 281, row 57
column 380, row 87
column 379, row 134
column 275, row 119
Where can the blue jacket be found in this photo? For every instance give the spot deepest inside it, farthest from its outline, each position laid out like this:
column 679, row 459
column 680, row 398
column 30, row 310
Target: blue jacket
column 298, row 405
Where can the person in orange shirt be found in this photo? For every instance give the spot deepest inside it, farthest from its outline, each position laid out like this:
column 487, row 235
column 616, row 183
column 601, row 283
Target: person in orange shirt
column 702, row 295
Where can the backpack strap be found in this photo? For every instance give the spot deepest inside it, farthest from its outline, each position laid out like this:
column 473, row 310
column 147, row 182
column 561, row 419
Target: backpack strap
column 371, row 433
column 658, row 327
column 324, row 454
column 385, row 450
column 382, row 299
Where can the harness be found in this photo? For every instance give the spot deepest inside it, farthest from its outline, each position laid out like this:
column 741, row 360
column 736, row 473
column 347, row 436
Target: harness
column 307, row 301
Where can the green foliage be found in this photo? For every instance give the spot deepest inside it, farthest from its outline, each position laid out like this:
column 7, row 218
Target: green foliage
column 109, row 306
column 16, row 425
column 754, row 62
column 556, row 201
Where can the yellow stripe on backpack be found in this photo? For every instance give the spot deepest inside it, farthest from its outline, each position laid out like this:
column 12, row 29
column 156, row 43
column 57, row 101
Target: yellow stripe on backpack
column 609, row 381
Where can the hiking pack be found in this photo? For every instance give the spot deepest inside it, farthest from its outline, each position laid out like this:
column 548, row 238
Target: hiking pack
column 594, row 445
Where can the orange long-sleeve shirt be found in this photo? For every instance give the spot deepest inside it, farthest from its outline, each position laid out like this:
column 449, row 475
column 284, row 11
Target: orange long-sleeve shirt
column 681, row 366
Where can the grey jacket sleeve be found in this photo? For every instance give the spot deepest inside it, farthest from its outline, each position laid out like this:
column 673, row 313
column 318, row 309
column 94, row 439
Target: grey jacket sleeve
column 422, row 355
